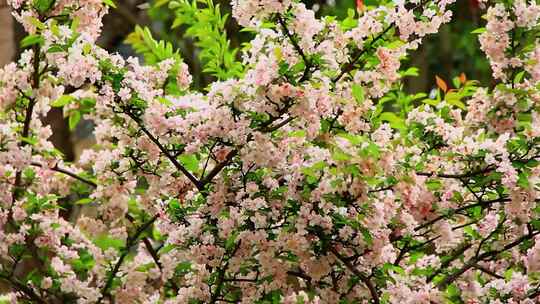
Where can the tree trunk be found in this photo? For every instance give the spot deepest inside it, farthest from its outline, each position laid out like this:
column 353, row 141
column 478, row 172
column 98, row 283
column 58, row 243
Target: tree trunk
column 7, row 41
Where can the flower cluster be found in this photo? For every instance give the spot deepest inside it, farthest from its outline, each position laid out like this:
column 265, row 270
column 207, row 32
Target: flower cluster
column 290, row 184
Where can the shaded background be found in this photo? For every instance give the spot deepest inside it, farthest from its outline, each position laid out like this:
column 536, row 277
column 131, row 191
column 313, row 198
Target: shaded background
column 451, row 52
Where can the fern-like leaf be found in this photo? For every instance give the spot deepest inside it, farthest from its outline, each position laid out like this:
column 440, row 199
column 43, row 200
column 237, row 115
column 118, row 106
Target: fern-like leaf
column 152, row 50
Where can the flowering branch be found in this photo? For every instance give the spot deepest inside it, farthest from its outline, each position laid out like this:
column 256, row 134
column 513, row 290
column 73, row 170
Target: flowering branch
column 66, row 172
column 361, row 276
column 29, row 112
column 221, row 276
column 307, row 62
column 131, row 241
column 350, row 66
column 458, row 176
column 303, row 152
column 165, row 152
column 486, row 255
column 463, row 208
column 29, row 292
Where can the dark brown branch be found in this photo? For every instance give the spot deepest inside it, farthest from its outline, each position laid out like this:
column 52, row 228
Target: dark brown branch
column 457, row 176
column 456, row 254
column 29, row 292
column 486, row 255
column 66, row 172
column 17, row 190
column 131, row 241
column 270, row 129
column 152, row 251
column 297, row 47
column 360, row 275
column 221, row 276
column 481, row 203
column 534, row 294
column 215, row 171
column 146, row 241
column 350, row 66
column 487, row 271
column 299, row 274
column 163, row 150
column 28, row 115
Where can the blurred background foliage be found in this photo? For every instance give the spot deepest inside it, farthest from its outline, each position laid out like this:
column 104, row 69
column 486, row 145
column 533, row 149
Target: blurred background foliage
column 452, row 52
column 209, row 41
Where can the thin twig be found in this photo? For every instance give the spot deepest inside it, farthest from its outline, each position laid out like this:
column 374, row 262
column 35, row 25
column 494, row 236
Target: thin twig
column 66, row 172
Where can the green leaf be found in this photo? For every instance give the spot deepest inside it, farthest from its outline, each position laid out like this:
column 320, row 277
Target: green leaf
column 456, row 82
column 75, row 24
column 109, row 3
column 29, row 140
column 536, row 224
column 412, row 71
column 54, row 28
column 479, row 30
column 453, row 292
column 87, row 48
column 472, row 233
column 62, row 101
column 55, row 49
column 394, row 121
column 85, row 261
column 351, row 21
column 297, row 133
column 368, row 238
column 165, row 101
column 84, row 201
column 74, row 119
column 105, row 242
column 160, row 3
column 434, row 184
column 508, row 274
column 358, row 93
column 519, row 77
column 230, row 243
column 523, row 180
column 189, row 161
column 43, row 6
column 431, row 102
column 31, row 40
column 476, row 212
column 183, row 267
column 205, row 24
column 340, row 156
column 152, row 50
column 87, row 103
column 29, row 173
column 38, row 24
column 145, row 267
column 395, row 44
column 454, row 99
column 353, row 139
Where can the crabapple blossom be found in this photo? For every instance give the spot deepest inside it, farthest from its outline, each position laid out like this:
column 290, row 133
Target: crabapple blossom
column 291, row 183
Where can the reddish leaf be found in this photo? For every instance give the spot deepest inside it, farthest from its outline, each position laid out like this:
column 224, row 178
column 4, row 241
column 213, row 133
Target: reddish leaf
column 441, row 83
column 360, row 5
column 462, row 78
